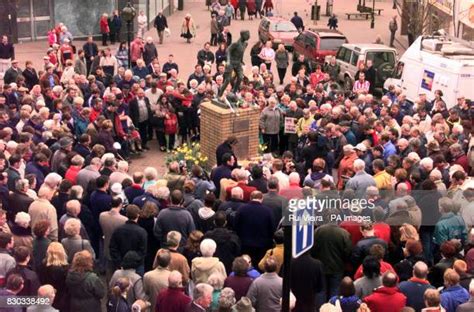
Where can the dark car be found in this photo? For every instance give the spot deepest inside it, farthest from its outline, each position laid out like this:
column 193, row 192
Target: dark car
column 316, row 44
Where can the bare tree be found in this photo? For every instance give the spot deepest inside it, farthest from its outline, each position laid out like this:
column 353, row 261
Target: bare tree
column 416, row 17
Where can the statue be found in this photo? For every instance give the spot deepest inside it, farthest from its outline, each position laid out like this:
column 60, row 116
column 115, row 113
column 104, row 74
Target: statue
column 233, row 72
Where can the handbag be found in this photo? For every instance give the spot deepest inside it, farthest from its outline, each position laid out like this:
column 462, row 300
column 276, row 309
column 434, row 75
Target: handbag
column 157, row 122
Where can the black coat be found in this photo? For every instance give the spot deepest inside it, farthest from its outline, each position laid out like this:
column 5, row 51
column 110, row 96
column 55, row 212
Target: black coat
column 17, row 202
column 31, row 78
column 56, row 277
column 129, row 236
column 160, row 22
column 228, row 246
column 307, row 279
column 86, row 290
column 255, row 225
column 134, row 110
column 223, row 149
column 31, row 280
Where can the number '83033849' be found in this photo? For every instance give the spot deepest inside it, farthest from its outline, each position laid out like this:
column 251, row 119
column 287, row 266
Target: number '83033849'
column 8, row 302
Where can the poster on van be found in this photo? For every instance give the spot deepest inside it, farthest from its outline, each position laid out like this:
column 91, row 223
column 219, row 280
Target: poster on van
column 427, row 80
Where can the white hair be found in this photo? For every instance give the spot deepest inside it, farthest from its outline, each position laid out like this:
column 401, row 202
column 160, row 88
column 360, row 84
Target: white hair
column 413, row 156
column 294, row 177
column 359, row 164
column 52, row 180
column 150, row 173
column 208, row 247
column 237, row 193
column 22, row 219
column 427, row 163
column 122, row 165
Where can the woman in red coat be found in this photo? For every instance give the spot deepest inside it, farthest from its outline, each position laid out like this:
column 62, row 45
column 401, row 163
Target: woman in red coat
column 235, row 4
column 268, row 6
column 104, row 28
column 251, row 8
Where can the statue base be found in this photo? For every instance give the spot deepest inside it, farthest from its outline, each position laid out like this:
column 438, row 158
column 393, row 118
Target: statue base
column 218, row 122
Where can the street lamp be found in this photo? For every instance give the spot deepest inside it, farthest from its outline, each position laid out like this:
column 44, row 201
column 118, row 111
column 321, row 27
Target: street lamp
column 372, row 22
column 128, row 14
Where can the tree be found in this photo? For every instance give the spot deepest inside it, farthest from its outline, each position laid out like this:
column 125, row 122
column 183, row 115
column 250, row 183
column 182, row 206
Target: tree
column 417, row 18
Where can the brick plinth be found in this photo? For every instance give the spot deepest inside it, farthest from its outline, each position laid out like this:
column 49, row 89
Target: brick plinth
column 219, row 123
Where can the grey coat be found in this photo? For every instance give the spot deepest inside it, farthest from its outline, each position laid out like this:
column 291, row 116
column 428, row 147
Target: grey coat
column 270, row 120
column 281, row 59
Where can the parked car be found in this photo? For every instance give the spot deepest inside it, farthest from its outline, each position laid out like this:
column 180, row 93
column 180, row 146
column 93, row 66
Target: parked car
column 278, row 30
column 349, row 57
column 317, row 44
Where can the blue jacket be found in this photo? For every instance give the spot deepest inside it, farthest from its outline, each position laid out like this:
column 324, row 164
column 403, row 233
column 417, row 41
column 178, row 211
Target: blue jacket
column 34, row 168
column 450, row 226
column 452, row 297
column 99, row 202
column 255, row 225
column 388, row 150
column 414, row 290
column 142, row 199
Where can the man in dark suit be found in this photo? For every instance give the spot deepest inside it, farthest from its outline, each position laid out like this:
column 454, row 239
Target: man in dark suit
column 226, row 147
column 255, row 225
column 273, row 200
column 90, row 51
column 224, row 171
column 140, row 113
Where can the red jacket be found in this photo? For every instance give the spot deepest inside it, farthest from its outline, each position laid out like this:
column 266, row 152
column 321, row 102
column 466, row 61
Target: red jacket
column 71, row 174
column 104, row 25
column 172, row 300
column 246, row 188
column 386, row 299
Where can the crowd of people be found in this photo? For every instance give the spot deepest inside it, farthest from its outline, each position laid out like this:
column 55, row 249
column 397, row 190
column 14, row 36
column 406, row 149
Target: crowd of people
column 79, row 229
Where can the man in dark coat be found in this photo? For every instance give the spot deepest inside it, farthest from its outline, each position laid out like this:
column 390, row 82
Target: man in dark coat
column 332, row 245
column 255, row 225
column 226, row 147
column 18, row 200
column 12, row 73
column 205, row 56
column 174, row 218
column 129, row 236
column 228, row 243
column 224, row 171
column 140, row 113
column 371, row 76
column 30, row 278
column 161, row 24
column 7, row 53
column 90, row 51
column 297, row 21
column 307, row 280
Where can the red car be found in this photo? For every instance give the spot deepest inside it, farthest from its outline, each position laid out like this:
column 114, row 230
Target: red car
column 316, row 44
column 278, row 30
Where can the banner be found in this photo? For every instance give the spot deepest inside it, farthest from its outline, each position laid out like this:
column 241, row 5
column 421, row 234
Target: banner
column 290, row 125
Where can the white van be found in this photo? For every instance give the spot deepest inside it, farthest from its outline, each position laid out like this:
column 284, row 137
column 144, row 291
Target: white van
column 436, row 63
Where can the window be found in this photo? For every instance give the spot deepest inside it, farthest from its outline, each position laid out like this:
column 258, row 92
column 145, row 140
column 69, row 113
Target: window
column 380, row 57
column 344, row 55
column 340, row 53
column 283, row 27
column 399, row 70
column 332, row 44
column 310, row 41
column 354, row 58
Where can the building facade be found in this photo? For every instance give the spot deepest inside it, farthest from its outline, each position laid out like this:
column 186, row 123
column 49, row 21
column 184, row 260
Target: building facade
column 26, row 20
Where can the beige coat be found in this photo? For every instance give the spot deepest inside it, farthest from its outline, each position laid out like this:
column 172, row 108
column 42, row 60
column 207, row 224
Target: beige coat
column 192, row 27
column 153, row 282
column 203, row 267
column 42, row 209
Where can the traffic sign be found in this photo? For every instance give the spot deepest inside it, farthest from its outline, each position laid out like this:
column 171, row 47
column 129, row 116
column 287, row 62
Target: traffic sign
column 302, row 232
